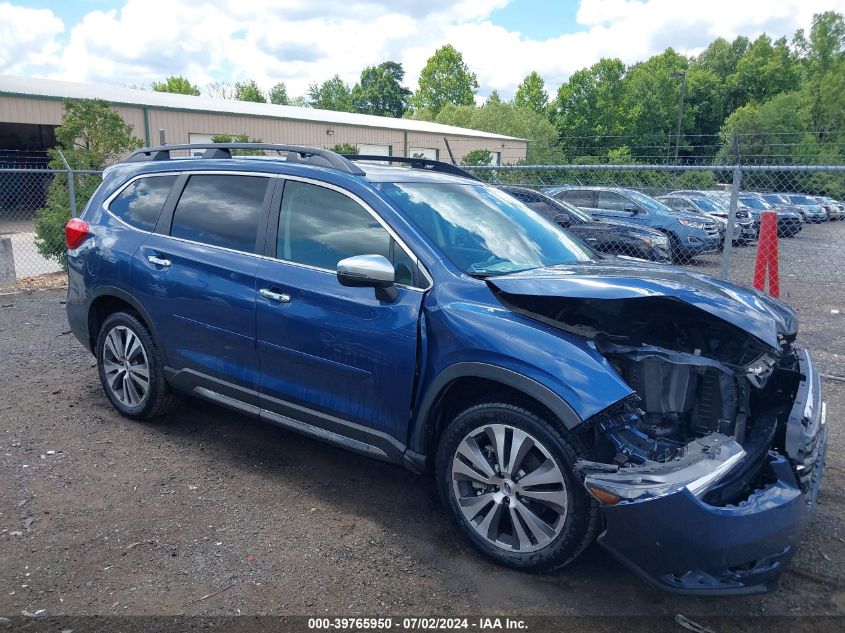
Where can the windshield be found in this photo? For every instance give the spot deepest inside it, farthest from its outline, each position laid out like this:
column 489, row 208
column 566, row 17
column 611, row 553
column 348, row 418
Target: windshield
column 583, row 216
column 775, row 198
column 724, row 198
column 756, row 203
column 650, row 204
column 802, row 200
column 708, row 205
column 482, row 230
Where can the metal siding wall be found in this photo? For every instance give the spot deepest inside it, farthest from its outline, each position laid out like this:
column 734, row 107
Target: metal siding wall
column 36, row 111
column 179, row 124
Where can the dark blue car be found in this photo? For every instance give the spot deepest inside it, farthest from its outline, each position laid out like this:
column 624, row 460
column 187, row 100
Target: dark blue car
column 416, row 315
column 689, row 234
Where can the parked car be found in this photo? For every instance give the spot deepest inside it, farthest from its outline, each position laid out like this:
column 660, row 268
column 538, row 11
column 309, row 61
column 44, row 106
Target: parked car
column 614, row 237
column 813, row 211
column 835, row 210
column 420, row 316
column 790, row 223
column 744, row 229
column 782, row 203
column 690, row 234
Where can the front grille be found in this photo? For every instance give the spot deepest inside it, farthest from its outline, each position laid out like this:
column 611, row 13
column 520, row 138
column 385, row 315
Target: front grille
column 712, row 230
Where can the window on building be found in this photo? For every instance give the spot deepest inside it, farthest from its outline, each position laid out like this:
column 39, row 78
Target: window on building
column 430, row 153
column 221, row 210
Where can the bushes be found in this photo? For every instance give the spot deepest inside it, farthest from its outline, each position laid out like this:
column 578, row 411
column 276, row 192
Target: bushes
column 91, row 136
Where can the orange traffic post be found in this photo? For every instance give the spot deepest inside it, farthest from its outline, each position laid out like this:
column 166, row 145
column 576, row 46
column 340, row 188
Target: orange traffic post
column 767, row 263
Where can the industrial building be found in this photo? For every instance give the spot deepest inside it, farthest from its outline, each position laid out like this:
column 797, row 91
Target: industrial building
column 30, row 110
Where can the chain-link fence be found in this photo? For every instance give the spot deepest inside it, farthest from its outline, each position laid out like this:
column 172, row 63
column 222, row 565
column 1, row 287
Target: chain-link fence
column 35, row 203
column 781, row 228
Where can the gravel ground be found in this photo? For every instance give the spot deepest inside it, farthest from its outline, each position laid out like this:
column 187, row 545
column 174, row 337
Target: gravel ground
column 102, row 515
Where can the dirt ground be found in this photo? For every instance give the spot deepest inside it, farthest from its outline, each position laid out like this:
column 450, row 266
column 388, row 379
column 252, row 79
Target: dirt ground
column 210, row 513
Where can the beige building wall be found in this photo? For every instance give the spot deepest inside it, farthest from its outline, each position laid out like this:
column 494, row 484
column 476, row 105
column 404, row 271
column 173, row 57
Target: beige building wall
column 178, row 125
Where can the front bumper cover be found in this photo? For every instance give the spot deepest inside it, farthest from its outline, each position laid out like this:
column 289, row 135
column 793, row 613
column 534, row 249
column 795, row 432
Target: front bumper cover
column 682, row 544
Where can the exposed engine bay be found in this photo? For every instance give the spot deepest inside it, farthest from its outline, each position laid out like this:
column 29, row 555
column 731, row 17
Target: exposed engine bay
column 708, row 396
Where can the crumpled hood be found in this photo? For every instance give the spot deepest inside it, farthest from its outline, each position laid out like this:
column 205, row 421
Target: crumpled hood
column 758, row 314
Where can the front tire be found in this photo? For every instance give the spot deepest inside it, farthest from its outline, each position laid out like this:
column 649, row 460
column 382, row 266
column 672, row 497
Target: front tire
column 131, row 368
column 506, row 476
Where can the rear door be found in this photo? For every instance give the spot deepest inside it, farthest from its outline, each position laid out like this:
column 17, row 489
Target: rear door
column 196, row 275
column 334, row 356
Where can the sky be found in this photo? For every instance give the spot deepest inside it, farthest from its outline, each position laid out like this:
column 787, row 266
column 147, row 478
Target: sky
column 135, row 42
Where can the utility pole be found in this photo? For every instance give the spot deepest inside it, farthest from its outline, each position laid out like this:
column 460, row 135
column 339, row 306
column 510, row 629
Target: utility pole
column 683, row 78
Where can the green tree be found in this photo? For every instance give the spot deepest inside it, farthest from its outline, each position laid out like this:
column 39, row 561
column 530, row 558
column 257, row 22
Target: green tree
column 590, row 106
column 445, row 79
column 494, row 97
column 531, row 93
column 650, row 105
column 821, row 59
column 767, row 68
column 380, row 91
column 478, row 157
column 279, row 94
column 91, row 136
column 177, row 84
column 344, row 148
column 239, row 138
column 332, row 94
column 249, row 91
column 509, row 120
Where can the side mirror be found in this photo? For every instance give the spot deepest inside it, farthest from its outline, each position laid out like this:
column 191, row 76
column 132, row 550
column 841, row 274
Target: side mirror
column 562, row 219
column 632, row 210
column 369, row 271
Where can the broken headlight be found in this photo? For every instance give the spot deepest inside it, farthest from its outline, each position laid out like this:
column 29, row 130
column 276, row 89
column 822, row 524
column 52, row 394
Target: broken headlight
column 704, row 461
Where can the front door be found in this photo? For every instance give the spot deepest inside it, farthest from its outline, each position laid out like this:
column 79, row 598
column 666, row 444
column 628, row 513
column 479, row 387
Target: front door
column 334, row 356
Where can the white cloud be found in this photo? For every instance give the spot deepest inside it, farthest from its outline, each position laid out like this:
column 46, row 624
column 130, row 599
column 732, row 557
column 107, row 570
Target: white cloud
column 301, row 41
column 29, row 38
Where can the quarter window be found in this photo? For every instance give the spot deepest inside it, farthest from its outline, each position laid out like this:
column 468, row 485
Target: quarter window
column 140, row 202
column 221, row 210
column 319, row 227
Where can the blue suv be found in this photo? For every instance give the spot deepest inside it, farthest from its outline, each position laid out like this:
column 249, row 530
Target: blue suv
column 689, row 234
column 409, row 312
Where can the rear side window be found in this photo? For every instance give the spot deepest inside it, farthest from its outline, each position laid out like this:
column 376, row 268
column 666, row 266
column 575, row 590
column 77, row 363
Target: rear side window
column 578, row 198
column 140, row 202
column 221, row 210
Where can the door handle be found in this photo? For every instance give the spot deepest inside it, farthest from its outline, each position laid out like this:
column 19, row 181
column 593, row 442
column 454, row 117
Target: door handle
column 281, row 297
column 158, row 261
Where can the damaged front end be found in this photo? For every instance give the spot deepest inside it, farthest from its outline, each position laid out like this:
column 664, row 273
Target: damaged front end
column 705, row 472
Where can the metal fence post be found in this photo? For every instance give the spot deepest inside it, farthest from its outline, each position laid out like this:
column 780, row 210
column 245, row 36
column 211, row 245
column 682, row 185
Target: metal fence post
column 70, row 185
column 724, row 269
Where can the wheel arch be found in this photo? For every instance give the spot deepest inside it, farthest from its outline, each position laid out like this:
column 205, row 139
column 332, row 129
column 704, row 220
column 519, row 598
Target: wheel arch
column 108, row 300
column 463, row 384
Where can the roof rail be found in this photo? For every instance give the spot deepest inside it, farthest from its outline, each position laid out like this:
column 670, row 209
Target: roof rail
column 416, row 163
column 295, row 154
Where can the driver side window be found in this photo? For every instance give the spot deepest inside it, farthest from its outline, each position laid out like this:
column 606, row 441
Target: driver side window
column 319, row 226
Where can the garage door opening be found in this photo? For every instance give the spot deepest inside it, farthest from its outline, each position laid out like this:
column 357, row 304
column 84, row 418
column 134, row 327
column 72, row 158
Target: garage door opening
column 25, row 146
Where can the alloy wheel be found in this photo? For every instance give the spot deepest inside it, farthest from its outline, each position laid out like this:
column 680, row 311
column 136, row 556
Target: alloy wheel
column 126, row 366
column 509, row 488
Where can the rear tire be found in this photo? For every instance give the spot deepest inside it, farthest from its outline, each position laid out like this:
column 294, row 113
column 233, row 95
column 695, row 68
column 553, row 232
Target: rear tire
column 528, row 526
column 131, row 368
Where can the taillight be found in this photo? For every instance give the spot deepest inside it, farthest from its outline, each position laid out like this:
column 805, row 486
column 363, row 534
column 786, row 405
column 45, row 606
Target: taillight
column 76, row 231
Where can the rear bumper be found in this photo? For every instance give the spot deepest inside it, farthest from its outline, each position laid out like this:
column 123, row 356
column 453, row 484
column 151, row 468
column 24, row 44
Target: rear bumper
column 682, row 544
